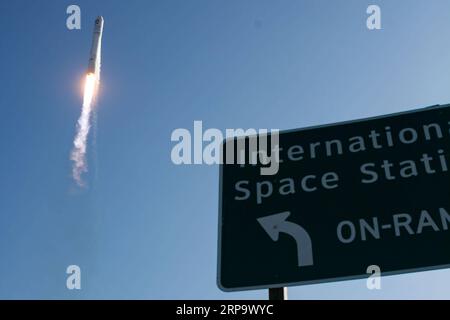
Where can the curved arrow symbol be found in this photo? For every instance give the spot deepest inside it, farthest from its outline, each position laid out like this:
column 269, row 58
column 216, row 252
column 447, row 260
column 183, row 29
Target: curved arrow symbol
column 276, row 223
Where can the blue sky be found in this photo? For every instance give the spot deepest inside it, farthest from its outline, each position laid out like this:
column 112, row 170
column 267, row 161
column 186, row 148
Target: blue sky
column 146, row 228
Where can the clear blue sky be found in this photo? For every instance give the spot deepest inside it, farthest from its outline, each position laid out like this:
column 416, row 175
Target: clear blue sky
column 145, row 228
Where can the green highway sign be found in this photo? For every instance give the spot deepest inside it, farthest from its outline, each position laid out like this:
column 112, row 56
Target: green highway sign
column 344, row 197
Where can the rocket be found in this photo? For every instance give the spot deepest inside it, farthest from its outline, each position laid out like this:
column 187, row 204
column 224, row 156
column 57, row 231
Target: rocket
column 94, row 58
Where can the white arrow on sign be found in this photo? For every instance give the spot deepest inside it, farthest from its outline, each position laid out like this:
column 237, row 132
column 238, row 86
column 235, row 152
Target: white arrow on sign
column 276, row 223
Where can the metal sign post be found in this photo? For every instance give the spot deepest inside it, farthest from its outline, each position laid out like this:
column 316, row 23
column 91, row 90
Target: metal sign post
column 278, row 293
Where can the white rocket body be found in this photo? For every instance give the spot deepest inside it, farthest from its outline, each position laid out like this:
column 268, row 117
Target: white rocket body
column 94, row 58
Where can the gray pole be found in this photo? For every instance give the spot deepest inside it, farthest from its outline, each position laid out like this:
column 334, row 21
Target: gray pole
column 278, row 293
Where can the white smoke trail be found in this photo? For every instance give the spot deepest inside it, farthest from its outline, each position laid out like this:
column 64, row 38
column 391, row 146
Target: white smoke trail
column 78, row 155
column 95, row 115
column 94, row 140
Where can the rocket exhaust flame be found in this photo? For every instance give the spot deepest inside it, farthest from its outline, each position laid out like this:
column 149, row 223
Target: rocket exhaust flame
column 78, row 155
